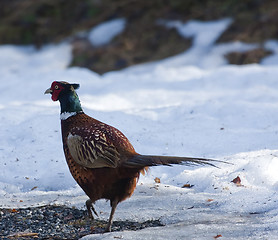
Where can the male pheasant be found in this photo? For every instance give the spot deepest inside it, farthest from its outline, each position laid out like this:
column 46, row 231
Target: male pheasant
column 100, row 158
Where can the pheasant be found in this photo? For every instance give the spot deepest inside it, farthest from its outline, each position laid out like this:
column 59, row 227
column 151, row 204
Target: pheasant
column 100, row 158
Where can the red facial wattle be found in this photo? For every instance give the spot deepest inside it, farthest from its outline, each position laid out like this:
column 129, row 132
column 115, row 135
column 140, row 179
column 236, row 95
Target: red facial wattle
column 55, row 95
column 56, row 89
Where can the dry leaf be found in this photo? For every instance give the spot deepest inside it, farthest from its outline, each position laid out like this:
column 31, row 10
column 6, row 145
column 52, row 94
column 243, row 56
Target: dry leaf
column 33, row 188
column 157, row 180
column 210, row 200
column 217, row 236
column 237, row 182
column 187, row 185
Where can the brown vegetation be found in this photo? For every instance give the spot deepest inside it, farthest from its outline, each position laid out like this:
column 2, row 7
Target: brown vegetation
column 44, row 21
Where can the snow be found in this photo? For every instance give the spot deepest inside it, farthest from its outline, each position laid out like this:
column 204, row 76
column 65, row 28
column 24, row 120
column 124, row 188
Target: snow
column 103, row 33
column 193, row 104
column 271, row 45
column 204, row 34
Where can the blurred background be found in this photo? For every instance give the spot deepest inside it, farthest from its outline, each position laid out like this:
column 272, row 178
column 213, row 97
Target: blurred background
column 143, row 38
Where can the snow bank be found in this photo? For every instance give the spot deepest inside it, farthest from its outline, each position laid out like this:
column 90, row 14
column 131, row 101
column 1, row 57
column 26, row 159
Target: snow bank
column 103, row 33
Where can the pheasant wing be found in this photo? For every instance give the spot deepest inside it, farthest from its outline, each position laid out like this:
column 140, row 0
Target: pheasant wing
column 90, row 152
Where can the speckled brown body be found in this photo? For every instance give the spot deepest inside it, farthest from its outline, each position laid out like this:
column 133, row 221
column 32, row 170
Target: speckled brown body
column 108, row 183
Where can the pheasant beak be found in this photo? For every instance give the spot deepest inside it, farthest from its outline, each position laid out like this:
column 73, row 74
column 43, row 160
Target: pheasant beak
column 48, row 91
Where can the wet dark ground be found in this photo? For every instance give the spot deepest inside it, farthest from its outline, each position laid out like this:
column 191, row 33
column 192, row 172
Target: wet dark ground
column 58, row 222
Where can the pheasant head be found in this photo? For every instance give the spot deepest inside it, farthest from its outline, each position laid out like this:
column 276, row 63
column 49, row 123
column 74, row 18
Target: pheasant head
column 65, row 93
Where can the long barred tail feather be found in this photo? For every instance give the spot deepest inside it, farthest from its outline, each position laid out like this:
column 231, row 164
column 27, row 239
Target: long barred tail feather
column 149, row 160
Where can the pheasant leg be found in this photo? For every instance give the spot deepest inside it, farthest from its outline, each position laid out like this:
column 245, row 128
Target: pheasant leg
column 90, row 206
column 114, row 204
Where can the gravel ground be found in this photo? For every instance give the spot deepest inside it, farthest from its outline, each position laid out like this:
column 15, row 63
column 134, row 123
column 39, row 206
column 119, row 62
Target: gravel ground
column 57, row 222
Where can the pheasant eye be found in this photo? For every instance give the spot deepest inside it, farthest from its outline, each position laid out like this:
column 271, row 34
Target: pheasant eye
column 56, row 87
